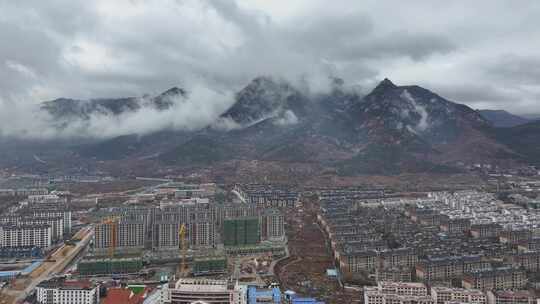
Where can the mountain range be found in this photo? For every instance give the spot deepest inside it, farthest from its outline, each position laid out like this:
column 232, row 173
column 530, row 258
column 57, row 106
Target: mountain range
column 392, row 129
column 504, row 119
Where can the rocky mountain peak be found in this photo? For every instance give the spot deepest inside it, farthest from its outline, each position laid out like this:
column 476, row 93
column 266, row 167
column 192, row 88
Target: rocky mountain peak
column 384, row 85
column 174, row 91
column 264, row 98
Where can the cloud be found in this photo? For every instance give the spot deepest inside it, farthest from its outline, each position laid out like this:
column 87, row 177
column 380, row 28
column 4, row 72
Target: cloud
column 202, row 107
column 288, row 118
column 90, row 49
column 20, row 68
column 523, row 70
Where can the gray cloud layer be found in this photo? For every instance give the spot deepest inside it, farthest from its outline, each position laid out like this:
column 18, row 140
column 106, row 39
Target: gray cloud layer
column 483, row 53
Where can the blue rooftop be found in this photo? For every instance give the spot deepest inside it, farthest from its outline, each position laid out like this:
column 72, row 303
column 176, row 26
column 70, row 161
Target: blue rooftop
column 256, row 296
column 8, row 274
column 31, row 267
column 305, row 301
column 331, row 272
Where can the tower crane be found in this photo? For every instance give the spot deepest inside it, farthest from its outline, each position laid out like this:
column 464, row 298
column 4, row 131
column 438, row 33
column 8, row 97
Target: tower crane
column 183, row 249
column 113, row 222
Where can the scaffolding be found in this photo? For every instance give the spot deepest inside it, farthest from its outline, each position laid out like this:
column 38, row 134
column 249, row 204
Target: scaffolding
column 242, row 231
column 209, row 265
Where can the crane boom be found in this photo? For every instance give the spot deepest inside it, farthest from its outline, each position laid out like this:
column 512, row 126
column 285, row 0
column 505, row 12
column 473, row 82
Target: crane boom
column 183, row 248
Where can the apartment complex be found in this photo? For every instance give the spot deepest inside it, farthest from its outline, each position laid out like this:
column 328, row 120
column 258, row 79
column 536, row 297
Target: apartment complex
column 441, row 238
column 205, row 224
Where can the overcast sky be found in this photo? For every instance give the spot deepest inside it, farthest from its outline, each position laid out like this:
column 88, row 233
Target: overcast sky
column 485, row 53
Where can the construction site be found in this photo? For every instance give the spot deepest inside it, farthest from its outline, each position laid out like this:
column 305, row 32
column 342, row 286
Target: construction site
column 305, row 270
column 23, row 282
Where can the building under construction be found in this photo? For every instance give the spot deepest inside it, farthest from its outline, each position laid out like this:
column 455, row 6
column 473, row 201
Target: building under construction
column 241, row 231
column 209, row 265
column 89, row 267
column 277, row 251
column 121, row 236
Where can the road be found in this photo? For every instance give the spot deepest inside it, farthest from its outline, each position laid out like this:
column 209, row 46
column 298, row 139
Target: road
column 54, row 268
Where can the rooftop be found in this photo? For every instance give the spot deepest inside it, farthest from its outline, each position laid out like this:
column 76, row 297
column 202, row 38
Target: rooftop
column 124, row 296
column 202, row 285
column 61, row 283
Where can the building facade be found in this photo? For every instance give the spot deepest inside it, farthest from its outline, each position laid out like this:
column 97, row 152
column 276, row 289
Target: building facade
column 498, row 278
column 129, row 236
column 443, row 295
column 60, row 291
column 188, row 291
column 14, row 236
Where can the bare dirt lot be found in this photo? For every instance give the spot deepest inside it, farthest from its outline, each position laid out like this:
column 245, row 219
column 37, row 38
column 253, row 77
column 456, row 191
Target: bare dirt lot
column 305, row 270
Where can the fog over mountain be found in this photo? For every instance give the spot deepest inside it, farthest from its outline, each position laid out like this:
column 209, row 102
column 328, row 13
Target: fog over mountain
column 68, row 118
column 176, row 109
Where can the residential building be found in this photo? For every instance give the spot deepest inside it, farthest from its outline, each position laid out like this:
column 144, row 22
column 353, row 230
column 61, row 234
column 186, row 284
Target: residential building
column 397, row 293
column 447, row 268
column 129, row 236
column 498, row 278
column 13, row 236
column 443, row 295
column 62, row 291
column 488, row 230
column 272, row 225
column 511, row 297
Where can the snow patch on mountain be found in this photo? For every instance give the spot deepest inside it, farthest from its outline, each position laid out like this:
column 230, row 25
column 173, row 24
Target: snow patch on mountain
column 422, row 124
column 288, row 118
column 225, row 124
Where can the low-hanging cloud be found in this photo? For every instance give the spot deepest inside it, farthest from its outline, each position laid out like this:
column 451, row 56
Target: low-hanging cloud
column 199, row 109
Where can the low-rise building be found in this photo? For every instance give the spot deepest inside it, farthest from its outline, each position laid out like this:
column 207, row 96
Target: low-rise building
column 261, row 296
column 447, row 268
column 394, row 274
column 510, row 297
column 498, row 278
column 455, row 226
column 515, row 236
column 529, row 260
column 397, row 293
column 443, row 295
column 351, row 261
column 61, row 291
column 186, row 291
column 488, row 230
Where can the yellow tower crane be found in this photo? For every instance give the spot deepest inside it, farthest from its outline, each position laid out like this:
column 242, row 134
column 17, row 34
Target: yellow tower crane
column 183, row 247
column 113, row 221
